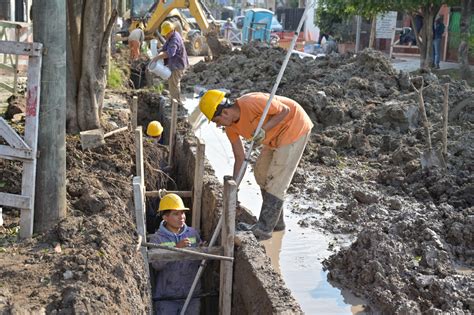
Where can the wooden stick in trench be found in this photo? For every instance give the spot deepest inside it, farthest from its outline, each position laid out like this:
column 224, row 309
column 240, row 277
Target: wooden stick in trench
column 445, row 120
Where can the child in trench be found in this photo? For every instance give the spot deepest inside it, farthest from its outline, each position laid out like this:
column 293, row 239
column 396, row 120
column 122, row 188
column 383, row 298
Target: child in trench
column 174, row 279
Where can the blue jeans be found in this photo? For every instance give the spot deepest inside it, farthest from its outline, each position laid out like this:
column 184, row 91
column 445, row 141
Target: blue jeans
column 436, row 51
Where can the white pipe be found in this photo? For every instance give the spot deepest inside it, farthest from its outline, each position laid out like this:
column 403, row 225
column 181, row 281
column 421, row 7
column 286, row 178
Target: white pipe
column 244, row 164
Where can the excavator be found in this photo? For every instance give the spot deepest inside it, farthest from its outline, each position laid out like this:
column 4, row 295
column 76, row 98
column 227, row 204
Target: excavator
column 153, row 13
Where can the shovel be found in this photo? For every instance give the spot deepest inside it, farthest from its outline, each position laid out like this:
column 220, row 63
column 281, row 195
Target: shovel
column 429, row 158
column 95, row 137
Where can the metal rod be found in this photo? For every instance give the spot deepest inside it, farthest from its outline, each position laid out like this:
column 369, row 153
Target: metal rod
column 244, row 164
column 272, row 94
column 187, row 251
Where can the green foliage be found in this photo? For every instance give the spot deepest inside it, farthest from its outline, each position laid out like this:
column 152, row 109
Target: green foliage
column 157, row 88
column 116, row 77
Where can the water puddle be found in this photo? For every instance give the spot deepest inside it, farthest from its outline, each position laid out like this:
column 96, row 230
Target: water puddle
column 296, row 253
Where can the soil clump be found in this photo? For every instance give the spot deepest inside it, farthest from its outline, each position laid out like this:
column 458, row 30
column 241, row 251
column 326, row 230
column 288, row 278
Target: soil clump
column 88, row 262
column 361, row 171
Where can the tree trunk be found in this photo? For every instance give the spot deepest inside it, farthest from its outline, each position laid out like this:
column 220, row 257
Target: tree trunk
column 49, row 18
column 90, row 25
column 463, row 50
column 424, row 38
column 372, row 32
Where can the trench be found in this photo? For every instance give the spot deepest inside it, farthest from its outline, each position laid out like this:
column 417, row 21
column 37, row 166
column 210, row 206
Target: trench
column 296, row 253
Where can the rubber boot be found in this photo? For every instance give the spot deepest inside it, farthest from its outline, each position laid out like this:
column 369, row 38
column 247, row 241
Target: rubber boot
column 280, row 226
column 269, row 215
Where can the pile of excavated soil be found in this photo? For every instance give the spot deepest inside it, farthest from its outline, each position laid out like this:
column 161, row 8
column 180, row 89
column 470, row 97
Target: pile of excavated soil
column 362, row 170
column 87, row 263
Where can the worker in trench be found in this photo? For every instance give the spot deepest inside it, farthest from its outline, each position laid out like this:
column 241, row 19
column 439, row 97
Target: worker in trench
column 174, row 279
column 284, row 135
column 175, row 57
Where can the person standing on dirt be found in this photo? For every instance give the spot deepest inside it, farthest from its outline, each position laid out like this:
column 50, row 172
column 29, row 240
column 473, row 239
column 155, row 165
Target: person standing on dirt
column 174, row 279
column 227, row 29
column 176, row 58
column 135, row 41
column 284, row 135
column 438, row 30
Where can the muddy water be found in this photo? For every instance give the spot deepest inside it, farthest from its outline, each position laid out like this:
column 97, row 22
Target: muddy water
column 296, row 253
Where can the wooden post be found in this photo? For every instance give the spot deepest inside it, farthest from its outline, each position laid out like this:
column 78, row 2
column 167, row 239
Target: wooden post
column 24, row 150
column 198, row 183
column 139, row 154
column 50, row 196
column 134, row 112
column 139, row 200
column 174, row 114
column 227, row 240
column 445, row 119
column 15, row 69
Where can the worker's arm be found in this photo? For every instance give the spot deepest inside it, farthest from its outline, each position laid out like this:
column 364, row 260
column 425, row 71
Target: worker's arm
column 161, row 55
column 239, row 156
column 277, row 118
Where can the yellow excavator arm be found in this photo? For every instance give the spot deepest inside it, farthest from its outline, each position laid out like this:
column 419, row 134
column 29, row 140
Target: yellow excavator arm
column 163, row 8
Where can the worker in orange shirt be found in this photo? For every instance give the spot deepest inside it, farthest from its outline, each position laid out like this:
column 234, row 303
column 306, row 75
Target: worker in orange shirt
column 284, row 135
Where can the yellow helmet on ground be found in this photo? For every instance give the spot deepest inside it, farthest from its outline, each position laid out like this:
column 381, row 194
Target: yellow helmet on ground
column 154, row 129
column 210, row 101
column 166, row 28
column 171, row 202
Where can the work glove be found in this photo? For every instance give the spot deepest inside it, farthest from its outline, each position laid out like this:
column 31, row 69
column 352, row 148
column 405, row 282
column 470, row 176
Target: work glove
column 259, row 137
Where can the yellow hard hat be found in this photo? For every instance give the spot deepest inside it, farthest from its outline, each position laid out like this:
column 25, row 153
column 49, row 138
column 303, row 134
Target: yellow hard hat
column 154, row 129
column 171, row 202
column 210, row 101
column 166, row 28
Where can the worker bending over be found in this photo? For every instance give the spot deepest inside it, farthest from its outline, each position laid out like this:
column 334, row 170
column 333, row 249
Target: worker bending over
column 284, row 135
column 174, row 279
column 175, row 57
column 135, row 40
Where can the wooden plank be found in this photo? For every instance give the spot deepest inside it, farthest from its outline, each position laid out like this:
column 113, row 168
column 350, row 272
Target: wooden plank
column 139, row 154
column 7, row 67
column 11, row 137
column 17, row 48
column 6, row 87
column 139, row 200
column 157, row 193
column 28, row 182
column 15, row 72
column 227, row 241
column 198, row 184
column 158, row 254
column 14, row 201
column 10, row 153
column 174, row 110
column 134, row 112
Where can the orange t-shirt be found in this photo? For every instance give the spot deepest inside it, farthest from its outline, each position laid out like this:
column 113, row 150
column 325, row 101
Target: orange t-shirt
column 289, row 130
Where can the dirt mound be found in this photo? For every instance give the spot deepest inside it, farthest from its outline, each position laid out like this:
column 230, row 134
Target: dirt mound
column 362, row 172
column 89, row 262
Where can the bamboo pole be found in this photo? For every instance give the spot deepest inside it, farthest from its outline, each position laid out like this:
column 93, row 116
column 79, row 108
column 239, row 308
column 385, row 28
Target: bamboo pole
column 186, row 252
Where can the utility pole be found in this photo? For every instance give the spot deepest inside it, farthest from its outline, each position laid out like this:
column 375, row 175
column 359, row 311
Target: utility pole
column 49, row 28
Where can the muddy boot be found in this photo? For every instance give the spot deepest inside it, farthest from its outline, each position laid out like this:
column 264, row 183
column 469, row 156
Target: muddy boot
column 271, row 209
column 280, row 226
